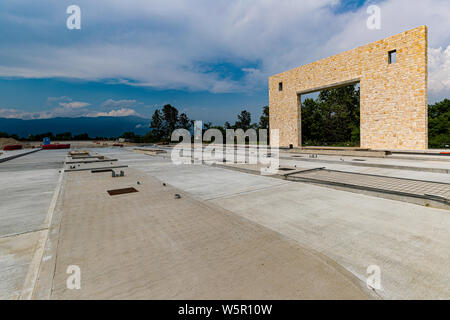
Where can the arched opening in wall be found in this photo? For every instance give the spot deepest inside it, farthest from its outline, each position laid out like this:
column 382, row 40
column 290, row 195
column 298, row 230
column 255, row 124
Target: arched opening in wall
column 331, row 117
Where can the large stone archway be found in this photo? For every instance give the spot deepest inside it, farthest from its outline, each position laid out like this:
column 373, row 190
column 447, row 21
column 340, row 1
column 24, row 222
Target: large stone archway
column 393, row 78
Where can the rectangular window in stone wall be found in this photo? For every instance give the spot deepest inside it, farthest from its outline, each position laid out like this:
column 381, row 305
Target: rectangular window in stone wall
column 280, row 86
column 392, row 56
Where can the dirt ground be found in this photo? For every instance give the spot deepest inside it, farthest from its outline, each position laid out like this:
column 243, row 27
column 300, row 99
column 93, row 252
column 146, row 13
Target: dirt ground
column 7, row 141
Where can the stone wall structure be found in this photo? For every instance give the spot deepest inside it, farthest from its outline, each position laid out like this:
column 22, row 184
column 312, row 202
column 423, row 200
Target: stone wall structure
column 393, row 101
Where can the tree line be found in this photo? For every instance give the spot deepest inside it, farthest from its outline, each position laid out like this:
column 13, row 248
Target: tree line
column 165, row 120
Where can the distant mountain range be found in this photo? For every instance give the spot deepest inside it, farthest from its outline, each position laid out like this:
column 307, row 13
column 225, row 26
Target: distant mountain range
column 94, row 126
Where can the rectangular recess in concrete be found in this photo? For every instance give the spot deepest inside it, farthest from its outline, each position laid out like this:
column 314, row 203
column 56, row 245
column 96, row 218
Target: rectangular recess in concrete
column 115, row 192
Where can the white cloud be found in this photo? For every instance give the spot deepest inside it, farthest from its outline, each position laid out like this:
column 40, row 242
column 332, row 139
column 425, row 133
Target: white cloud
column 74, row 104
column 111, row 104
column 57, row 108
column 54, row 107
column 18, row 114
column 142, row 125
column 172, row 44
column 439, row 69
column 63, row 112
column 114, row 113
column 396, row 17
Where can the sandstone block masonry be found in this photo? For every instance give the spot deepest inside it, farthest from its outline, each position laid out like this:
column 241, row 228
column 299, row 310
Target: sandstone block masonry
column 393, row 93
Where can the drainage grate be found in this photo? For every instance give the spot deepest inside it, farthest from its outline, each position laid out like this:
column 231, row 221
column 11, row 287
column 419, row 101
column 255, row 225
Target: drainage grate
column 359, row 160
column 115, row 192
column 285, row 169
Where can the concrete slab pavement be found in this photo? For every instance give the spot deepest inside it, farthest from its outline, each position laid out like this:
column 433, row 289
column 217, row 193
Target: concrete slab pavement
column 26, row 191
column 202, row 181
column 149, row 245
column 410, row 243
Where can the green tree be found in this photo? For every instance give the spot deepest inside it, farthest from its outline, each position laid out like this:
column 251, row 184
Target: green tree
column 340, row 110
column 184, row 122
column 81, row 136
column 439, row 124
column 312, row 122
column 41, row 136
column 207, row 125
column 332, row 118
column 156, row 126
column 170, row 117
column 264, row 119
column 63, row 136
column 244, row 120
column 130, row 136
column 221, row 129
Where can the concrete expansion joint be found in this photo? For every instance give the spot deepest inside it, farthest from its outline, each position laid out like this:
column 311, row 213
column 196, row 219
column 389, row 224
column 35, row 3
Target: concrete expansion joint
column 21, row 233
column 4, row 159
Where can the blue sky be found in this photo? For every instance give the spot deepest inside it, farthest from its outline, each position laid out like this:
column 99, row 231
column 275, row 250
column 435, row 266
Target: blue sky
column 45, row 95
column 210, row 59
